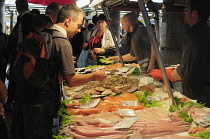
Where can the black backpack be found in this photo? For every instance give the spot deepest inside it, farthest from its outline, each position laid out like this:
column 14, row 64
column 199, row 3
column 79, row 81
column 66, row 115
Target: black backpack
column 33, row 66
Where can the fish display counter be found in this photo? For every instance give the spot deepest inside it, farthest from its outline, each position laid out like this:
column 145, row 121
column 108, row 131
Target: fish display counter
column 130, row 107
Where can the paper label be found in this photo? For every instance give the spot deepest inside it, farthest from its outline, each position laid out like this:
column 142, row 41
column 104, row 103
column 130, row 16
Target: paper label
column 126, row 123
column 154, row 98
column 203, row 121
column 90, row 104
column 104, row 120
column 126, row 112
column 97, row 96
column 129, row 103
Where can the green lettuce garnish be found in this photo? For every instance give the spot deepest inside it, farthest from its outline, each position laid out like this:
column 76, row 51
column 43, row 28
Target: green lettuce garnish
column 142, row 98
column 85, row 98
column 181, row 104
column 204, row 134
column 93, row 66
column 136, row 71
column 184, row 115
column 106, row 61
column 63, row 113
column 59, row 137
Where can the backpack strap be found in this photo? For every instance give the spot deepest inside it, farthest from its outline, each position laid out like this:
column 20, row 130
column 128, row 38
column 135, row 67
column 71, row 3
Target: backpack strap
column 48, row 35
column 60, row 37
column 56, row 34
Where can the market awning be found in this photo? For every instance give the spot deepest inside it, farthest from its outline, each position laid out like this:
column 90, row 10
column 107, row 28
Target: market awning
column 47, row 2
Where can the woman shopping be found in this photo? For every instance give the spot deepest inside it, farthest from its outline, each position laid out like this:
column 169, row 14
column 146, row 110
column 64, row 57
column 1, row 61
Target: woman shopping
column 101, row 43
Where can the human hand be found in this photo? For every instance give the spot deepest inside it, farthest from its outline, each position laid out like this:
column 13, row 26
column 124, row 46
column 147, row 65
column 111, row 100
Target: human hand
column 60, row 79
column 100, row 75
column 157, row 75
column 99, row 50
column 74, row 58
column 1, row 110
column 115, row 58
column 85, row 45
column 150, row 67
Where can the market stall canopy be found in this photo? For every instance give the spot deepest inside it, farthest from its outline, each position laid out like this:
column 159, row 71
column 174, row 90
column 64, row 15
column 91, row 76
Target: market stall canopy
column 47, row 2
column 123, row 5
column 132, row 5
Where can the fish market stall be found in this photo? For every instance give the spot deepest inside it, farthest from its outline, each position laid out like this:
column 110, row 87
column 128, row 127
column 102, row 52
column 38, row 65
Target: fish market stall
column 130, row 106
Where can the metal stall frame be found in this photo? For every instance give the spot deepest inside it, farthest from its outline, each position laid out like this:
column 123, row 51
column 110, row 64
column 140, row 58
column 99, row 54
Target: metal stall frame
column 152, row 37
column 106, row 12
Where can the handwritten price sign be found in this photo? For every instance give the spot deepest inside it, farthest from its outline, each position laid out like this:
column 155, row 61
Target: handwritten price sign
column 203, row 121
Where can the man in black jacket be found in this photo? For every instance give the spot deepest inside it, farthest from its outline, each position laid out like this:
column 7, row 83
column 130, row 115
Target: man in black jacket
column 194, row 66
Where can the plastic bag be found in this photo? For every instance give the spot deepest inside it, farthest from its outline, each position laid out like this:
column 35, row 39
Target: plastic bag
column 82, row 60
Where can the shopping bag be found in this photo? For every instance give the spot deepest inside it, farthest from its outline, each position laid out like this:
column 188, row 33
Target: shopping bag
column 82, row 61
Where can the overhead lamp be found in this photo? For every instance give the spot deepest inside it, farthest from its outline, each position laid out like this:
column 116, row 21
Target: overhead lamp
column 95, row 2
column 82, row 3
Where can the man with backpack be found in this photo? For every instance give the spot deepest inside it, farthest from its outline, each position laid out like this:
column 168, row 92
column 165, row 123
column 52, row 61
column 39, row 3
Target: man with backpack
column 20, row 31
column 36, row 104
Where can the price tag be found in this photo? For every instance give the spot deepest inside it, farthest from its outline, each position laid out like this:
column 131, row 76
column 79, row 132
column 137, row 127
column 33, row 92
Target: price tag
column 203, row 121
column 90, row 104
column 154, row 98
column 129, row 103
column 126, row 123
column 103, row 120
column 126, row 112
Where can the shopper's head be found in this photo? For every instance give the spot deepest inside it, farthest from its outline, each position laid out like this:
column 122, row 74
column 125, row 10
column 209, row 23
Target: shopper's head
column 35, row 12
column 101, row 22
column 94, row 19
column 40, row 22
column 90, row 26
column 21, row 6
column 52, row 10
column 70, row 17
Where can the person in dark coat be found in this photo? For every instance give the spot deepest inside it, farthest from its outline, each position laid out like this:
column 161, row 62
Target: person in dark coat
column 194, row 66
column 3, row 55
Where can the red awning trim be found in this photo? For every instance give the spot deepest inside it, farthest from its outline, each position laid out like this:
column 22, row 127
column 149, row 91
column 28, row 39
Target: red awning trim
column 47, row 2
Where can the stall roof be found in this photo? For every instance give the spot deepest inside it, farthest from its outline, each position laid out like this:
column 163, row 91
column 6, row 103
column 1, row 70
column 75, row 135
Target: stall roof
column 127, row 5
column 43, row 2
column 124, row 5
column 132, row 5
